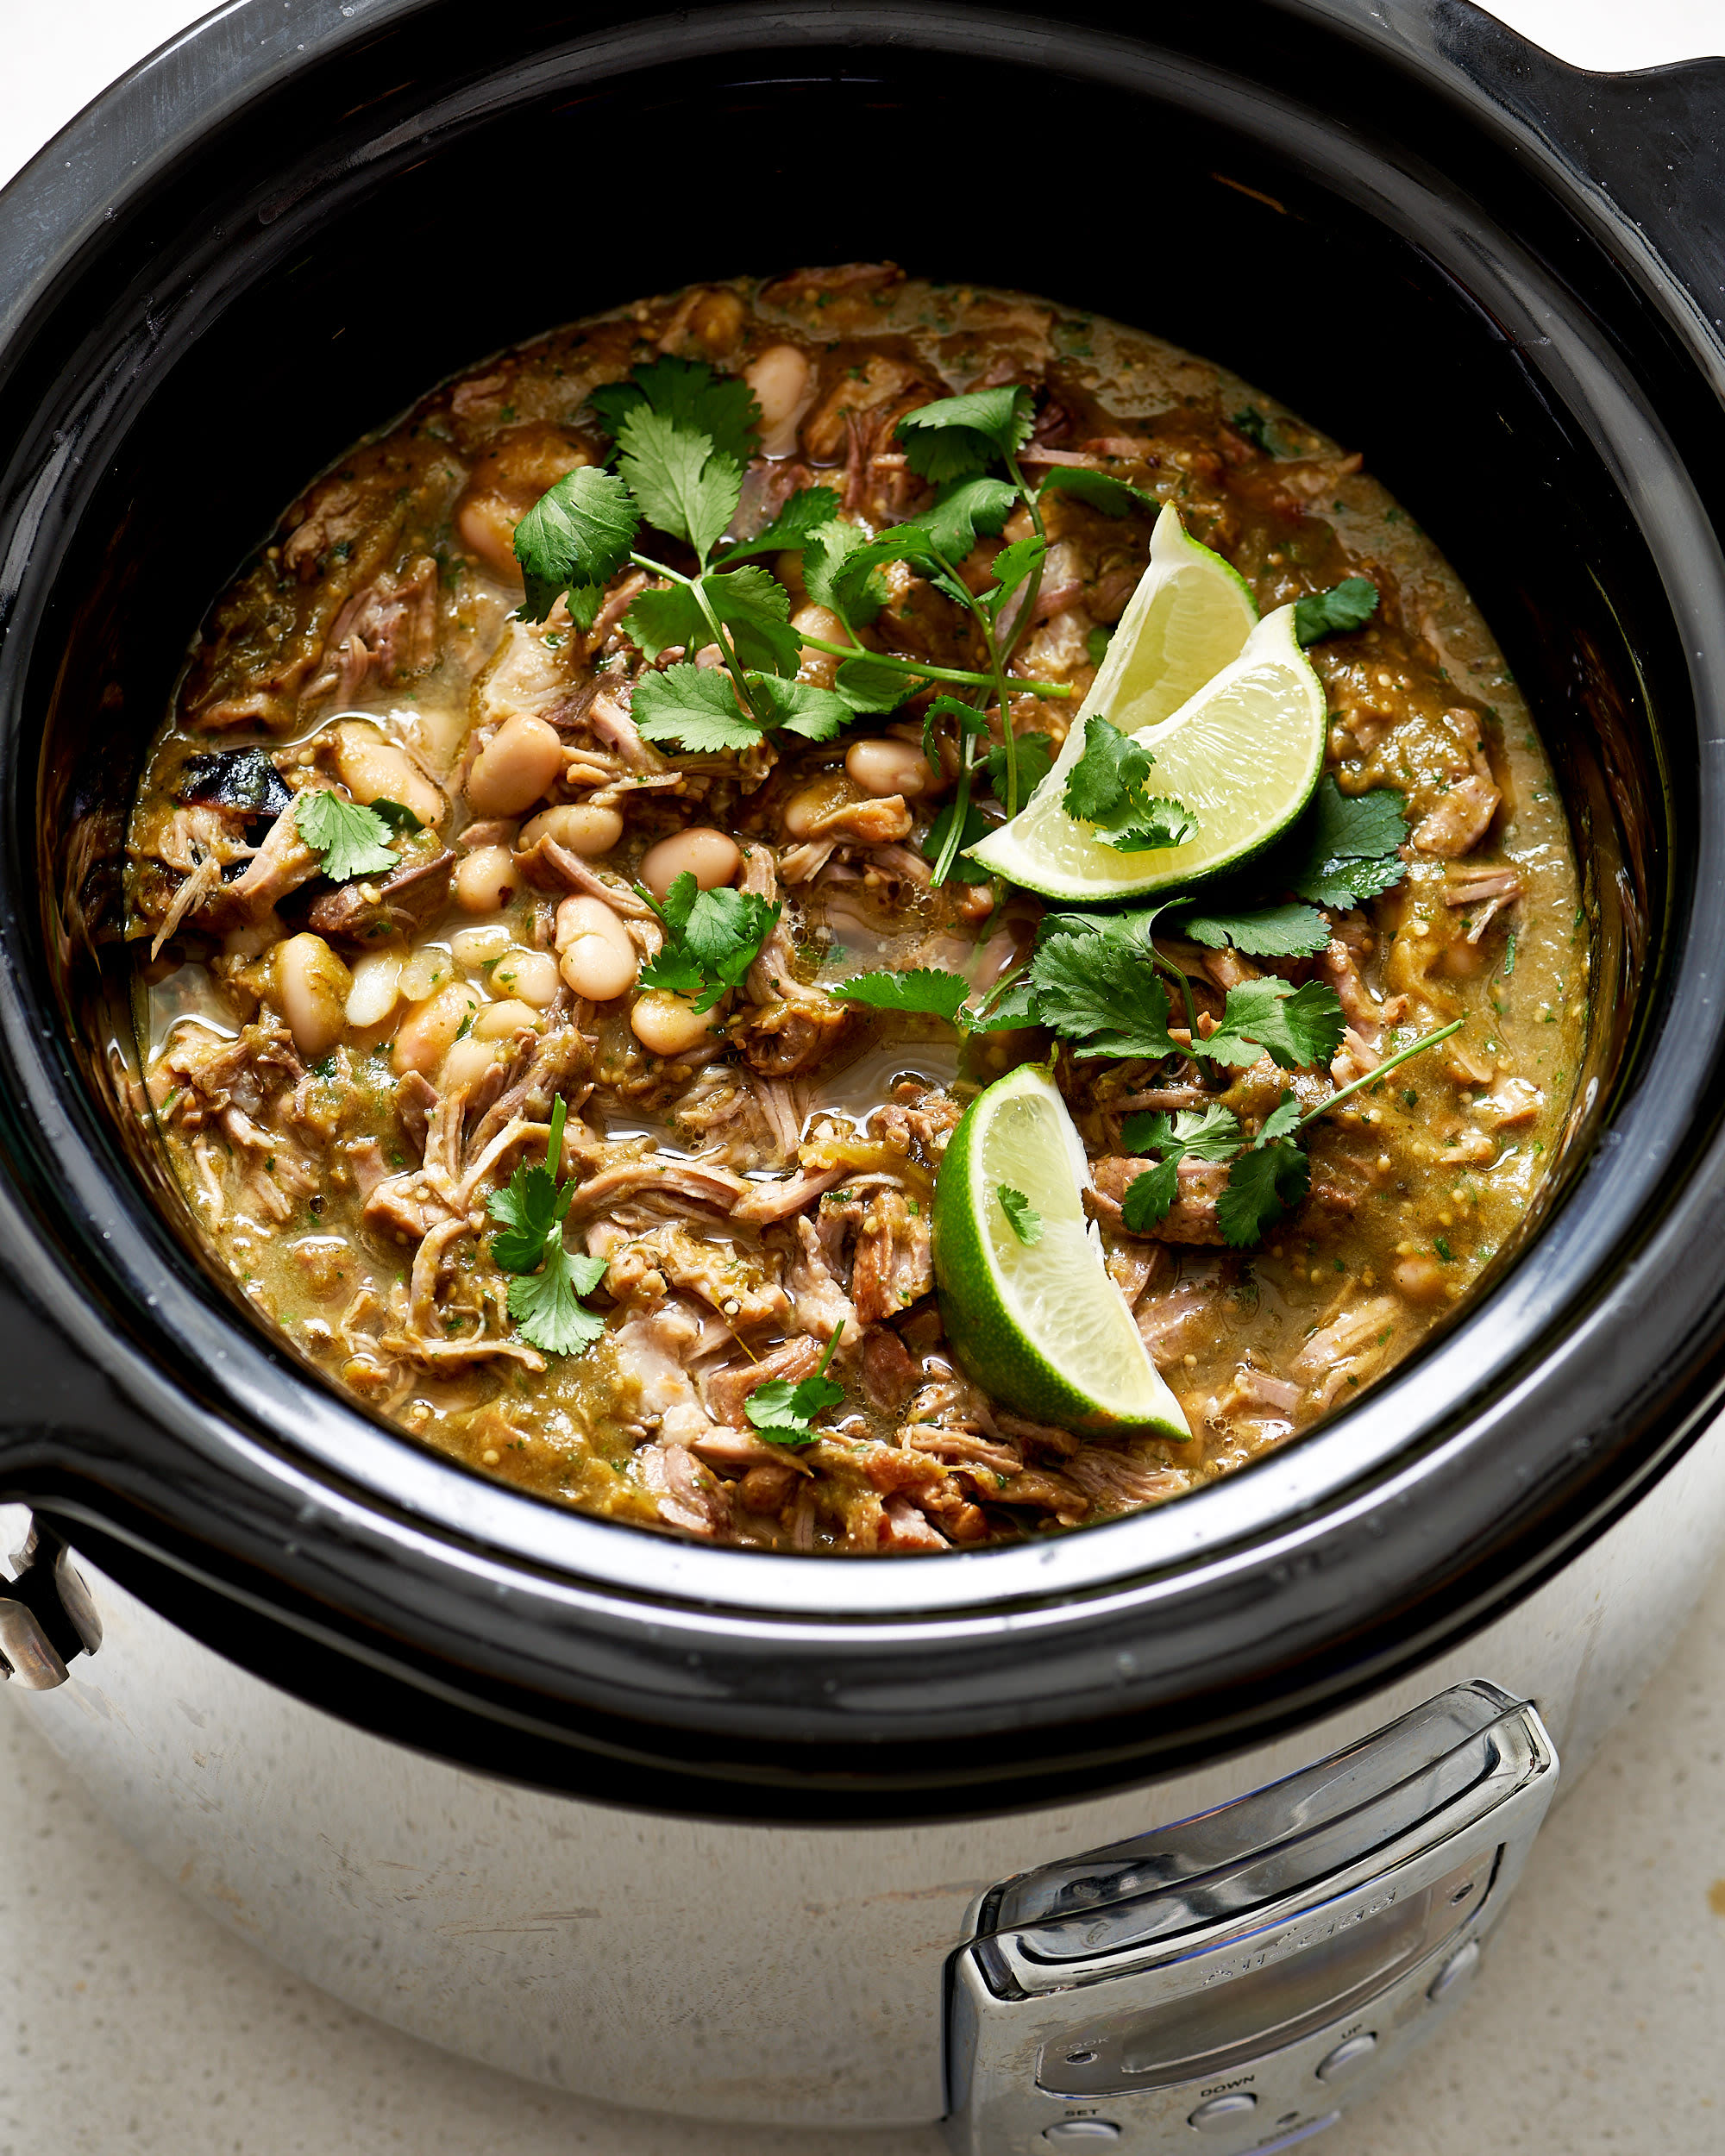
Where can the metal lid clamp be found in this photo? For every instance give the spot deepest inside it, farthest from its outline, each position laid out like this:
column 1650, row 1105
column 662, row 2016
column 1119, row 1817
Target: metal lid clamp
column 46, row 1617
column 1217, row 1983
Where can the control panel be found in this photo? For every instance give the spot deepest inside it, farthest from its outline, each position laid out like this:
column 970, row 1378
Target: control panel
column 1225, row 1984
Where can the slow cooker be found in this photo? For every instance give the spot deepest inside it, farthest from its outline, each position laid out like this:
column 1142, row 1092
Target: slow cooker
column 1175, row 1834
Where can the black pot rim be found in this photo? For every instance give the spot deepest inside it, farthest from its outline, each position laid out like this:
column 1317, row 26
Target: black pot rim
column 1441, row 1495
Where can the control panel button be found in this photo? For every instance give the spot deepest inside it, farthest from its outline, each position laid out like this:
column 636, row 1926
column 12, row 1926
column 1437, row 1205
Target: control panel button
column 1455, row 1973
column 1221, row 2112
column 1081, row 2133
column 1347, row 2058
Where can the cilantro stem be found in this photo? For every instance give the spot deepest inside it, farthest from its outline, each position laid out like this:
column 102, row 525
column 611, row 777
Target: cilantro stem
column 960, row 810
column 931, row 673
column 1178, row 973
column 1370, row 1077
column 998, row 674
column 1028, row 496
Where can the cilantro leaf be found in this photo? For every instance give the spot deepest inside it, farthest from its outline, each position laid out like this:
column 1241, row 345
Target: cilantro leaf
column 1105, row 789
column 869, row 684
column 803, row 515
column 1263, row 1183
column 574, row 539
column 543, row 1300
column 1345, row 848
column 1205, row 1134
column 1100, row 489
column 1349, row 604
column 1283, row 1119
column 1024, row 1219
column 928, row 991
column 658, row 619
column 1103, row 991
column 544, row 1306
column 395, row 814
column 857, row 595
column 1035, row 754
column 712, row 939
column 800, row 707
column 680, row 481
column 1149, row 1198
column 695, row 705
column 1293, row 1026
column 958, row 513
column 1209, row 1134
column 1263, row 931
column 977, row 829
column 1251, row 421
column 1159, row 823
column 1111, row 767
column 965, row 434
column 349, row 837
column 784, row 1413
column 1015, row 566
column 756, row 609
column 1010, row 1008
column 692, row 397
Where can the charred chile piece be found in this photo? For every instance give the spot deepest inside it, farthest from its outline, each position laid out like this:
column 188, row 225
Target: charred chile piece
column 241, row 779
column 366, row 910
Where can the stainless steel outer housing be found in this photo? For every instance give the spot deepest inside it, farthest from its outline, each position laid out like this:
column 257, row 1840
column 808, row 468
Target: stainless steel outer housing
column 191, row 315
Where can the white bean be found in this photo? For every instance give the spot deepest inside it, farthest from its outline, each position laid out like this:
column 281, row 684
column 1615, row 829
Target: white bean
column 429, row 968
column 312, row 986
column 466, row 1063
column 499, row 1020
column 780, row 380
column 576, row 826
column 427, row 1032
column 808, row 804
column 820, row 667
column 485, row 526
column 707, row 854
column 715, row 319
column 882, row 768
column 666, row 1025
column 516, row 766
column 471, row 948
column 376, row 990
column 486, row 880
column 599, row 961
column 530, row 974
column 373, row 769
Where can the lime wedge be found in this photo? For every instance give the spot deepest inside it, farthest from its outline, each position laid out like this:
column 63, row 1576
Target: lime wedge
column 1243, row 750
column 1038, row 1324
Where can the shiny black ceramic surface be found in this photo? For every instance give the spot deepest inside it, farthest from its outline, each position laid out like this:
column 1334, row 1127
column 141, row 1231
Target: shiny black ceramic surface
column 1423, row 235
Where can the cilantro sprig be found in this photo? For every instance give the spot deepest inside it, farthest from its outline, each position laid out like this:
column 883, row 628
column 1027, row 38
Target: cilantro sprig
column 712, row 939
column 784, row 1413
column 683, row 436
column 350, row 839
column 1105, row 789
column 544, row 1300
column 1268, row 1174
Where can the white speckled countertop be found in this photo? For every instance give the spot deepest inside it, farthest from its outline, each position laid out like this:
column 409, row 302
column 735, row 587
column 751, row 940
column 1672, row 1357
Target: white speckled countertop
column 130, row 2023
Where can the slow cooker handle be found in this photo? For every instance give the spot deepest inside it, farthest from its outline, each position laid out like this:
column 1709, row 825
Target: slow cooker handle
column 1651, row 145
